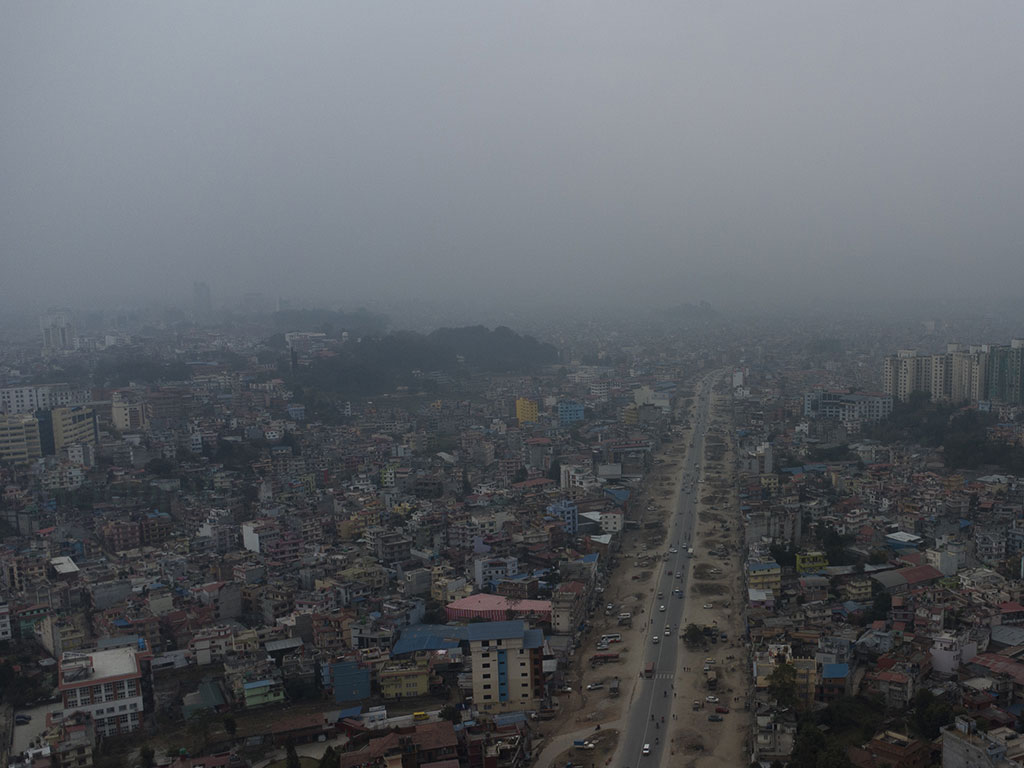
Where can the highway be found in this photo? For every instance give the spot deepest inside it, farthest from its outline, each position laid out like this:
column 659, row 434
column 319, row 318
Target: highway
column 652, row 698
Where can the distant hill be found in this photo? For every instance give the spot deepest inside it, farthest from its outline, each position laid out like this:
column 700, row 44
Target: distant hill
column 332, row 322
column 379, row 364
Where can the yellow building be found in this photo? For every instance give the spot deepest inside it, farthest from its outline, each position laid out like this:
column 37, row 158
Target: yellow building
column 72, row 426
column 765, row 576
column 858, row 590
column 404, row 679
column 19, row 438
column 809, row 562
column 526, row 410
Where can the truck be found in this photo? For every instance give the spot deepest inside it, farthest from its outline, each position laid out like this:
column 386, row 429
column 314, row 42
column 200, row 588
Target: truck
column 583, row 744
column 613, row 687
column 625, row 619
column 649, row 670
column 712, row 680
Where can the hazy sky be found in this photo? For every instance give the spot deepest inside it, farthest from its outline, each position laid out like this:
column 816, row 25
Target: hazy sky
column 527, row 152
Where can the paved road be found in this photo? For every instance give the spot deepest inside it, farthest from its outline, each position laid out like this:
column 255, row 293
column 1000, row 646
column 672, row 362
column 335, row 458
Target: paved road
column 652, row 699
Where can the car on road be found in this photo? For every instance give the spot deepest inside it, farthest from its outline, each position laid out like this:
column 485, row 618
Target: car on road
column 715, row 718
column 709, row 606
column 662, row 609
column 655, row 640
column 661, row 594
column 673, row 550
column 711, row 699
column 646, row 750
column 668, row 631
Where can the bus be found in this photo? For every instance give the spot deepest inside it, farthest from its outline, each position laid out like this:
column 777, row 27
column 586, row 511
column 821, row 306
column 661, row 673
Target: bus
column 649, row 670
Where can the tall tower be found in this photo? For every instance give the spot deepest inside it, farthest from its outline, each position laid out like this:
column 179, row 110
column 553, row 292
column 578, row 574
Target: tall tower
column 58, row 328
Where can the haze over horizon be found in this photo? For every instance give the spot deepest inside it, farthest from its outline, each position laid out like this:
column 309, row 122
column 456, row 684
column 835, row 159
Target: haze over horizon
column 520, row 154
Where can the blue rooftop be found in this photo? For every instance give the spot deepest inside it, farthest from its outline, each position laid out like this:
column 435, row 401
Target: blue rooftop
column 495, row 630
column 429, row 637
column 763, row 566
column 835, row 670
column 255, row 684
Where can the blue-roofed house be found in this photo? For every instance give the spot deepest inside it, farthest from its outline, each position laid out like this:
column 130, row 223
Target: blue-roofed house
column 835, row 682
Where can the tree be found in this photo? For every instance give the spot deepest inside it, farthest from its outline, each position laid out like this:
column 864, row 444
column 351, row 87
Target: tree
column 449, row 712
column 782, row 684
column 148, row 756
column 230, row 726
column 330, row 759
column 693, row 634
column 291, row 757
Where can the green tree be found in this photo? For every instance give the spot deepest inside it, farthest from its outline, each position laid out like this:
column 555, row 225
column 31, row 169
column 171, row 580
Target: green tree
column 449, row 712
column 782, row 684
column 693, row 634
column 147, row 756
column 291, row 757
column 330, row 759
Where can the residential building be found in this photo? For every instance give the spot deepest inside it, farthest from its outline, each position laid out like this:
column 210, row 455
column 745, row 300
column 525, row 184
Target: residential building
column 113, row 686
column 19, row 438
column 526, row 411
column 507, row 666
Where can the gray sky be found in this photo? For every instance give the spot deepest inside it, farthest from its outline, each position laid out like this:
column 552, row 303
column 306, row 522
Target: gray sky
column 528, row 152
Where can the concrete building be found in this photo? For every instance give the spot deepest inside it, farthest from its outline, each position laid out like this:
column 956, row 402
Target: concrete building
column 5, row 620
column 114, row 687
column 58, row 329
column 34, row 398
column 507, row 664
column 19, row 438
column 526, row 411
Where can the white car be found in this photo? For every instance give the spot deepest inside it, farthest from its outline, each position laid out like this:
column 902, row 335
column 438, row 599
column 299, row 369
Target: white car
column 655, row 640
column 662, row 608
column 668, row 632
column 646, row 750
column 711, row 699
column 708, row 605
column 674, row 551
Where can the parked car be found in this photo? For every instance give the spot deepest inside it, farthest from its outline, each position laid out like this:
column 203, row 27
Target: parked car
column 715, row 718
column 711, row 699
column 722, row 710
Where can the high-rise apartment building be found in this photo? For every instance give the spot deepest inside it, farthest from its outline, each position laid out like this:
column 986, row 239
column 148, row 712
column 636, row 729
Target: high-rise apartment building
column 962, row 372
column 19, row 438
column 508, row 672
column 58, row 329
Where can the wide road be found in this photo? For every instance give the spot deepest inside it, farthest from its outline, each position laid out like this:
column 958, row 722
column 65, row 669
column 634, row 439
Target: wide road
column 652, row 699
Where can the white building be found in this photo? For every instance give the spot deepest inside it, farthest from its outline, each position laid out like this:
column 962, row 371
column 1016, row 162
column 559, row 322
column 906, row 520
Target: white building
column 113, row 686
